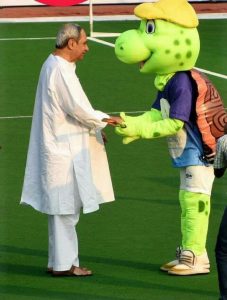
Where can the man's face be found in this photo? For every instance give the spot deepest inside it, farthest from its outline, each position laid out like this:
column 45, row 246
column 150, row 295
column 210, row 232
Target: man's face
column 79, row 48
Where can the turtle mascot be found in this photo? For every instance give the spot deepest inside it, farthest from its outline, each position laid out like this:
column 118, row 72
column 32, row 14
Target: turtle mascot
column 187, row 110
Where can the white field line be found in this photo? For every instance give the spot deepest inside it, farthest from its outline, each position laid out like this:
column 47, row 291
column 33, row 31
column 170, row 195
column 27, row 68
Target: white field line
column 212, row 73
column 15, row 117
column 101, row 41
column 52, row 38
column 26, row 39
column 109, row 113
column 207, row 16
column 71, row 19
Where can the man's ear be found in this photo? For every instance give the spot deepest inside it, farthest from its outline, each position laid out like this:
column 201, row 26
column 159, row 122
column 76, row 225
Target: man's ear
column 71, row 43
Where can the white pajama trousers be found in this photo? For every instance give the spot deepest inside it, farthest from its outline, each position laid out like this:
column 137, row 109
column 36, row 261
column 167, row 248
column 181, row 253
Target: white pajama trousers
column 63, row 242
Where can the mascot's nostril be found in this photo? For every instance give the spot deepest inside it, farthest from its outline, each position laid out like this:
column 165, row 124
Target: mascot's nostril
column 120, row 45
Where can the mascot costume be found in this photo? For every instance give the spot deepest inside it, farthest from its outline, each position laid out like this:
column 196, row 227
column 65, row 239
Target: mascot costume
column 187, row 110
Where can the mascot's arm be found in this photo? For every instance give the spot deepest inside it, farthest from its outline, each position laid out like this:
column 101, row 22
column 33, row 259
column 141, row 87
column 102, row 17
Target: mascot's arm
column 153, row 115
column 147, row 127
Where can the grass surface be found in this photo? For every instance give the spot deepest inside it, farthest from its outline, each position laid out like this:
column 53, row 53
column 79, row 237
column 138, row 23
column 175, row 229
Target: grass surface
column 126, row 241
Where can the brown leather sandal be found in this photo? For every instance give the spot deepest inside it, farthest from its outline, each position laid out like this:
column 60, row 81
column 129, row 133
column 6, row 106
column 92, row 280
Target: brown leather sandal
column 49, row 270
column 74, row 271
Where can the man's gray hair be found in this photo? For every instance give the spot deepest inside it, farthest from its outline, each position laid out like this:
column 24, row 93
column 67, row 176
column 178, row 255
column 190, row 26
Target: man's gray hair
column 66, row 32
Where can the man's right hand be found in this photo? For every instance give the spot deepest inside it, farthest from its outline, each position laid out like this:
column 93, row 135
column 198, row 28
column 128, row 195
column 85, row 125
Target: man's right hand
column 113, row 121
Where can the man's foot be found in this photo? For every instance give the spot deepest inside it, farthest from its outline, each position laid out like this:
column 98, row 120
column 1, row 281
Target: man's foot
column 190, row 264
column 166, row 267
column 49, row 270
column 74, row 271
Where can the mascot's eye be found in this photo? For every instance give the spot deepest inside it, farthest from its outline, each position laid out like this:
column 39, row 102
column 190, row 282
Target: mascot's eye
column 150, row 26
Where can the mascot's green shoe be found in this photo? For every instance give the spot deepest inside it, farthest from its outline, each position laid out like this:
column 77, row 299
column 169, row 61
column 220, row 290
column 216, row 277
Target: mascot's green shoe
column 190, row 264
column 173, row 263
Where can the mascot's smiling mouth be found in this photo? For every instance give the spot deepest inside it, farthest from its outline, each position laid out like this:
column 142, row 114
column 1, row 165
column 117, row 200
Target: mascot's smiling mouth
column 143, row 62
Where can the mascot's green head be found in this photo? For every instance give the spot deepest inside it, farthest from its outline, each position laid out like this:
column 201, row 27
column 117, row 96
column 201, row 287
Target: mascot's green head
column 167, row 40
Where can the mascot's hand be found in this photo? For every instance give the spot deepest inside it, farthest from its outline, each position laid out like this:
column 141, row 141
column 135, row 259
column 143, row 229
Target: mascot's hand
column 130, row 131
column 128, row 139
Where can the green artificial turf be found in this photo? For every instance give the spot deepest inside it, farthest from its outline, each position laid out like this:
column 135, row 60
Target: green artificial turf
column 126, row 241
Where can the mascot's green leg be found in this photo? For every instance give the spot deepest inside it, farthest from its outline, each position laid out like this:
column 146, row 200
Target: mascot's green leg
column 194, row 220
column 193, row 257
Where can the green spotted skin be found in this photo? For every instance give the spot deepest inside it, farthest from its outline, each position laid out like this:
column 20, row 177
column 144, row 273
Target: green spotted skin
column 181, row 49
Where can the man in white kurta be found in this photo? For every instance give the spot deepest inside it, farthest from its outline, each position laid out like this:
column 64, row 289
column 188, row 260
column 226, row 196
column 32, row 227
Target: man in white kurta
column 67, row 167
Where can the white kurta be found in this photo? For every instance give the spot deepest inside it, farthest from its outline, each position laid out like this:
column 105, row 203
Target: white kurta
column 66, row 155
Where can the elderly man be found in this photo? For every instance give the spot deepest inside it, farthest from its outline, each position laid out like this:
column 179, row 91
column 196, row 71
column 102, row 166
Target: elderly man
column 67, row 168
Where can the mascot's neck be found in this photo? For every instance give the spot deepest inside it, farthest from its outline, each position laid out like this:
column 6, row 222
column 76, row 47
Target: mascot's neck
column 161, row 80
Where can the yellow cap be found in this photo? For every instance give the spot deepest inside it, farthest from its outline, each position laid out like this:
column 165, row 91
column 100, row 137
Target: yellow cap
column 175, row 11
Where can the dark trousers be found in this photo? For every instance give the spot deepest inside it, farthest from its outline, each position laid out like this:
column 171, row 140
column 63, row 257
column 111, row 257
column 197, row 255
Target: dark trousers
column 221, row 256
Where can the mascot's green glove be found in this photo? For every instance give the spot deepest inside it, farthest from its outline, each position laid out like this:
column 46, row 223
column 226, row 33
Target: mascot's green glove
column 150, row 116
column 147, row 126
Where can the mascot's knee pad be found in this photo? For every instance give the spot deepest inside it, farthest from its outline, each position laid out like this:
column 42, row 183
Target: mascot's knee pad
column 197, row 202
column 194, row 220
